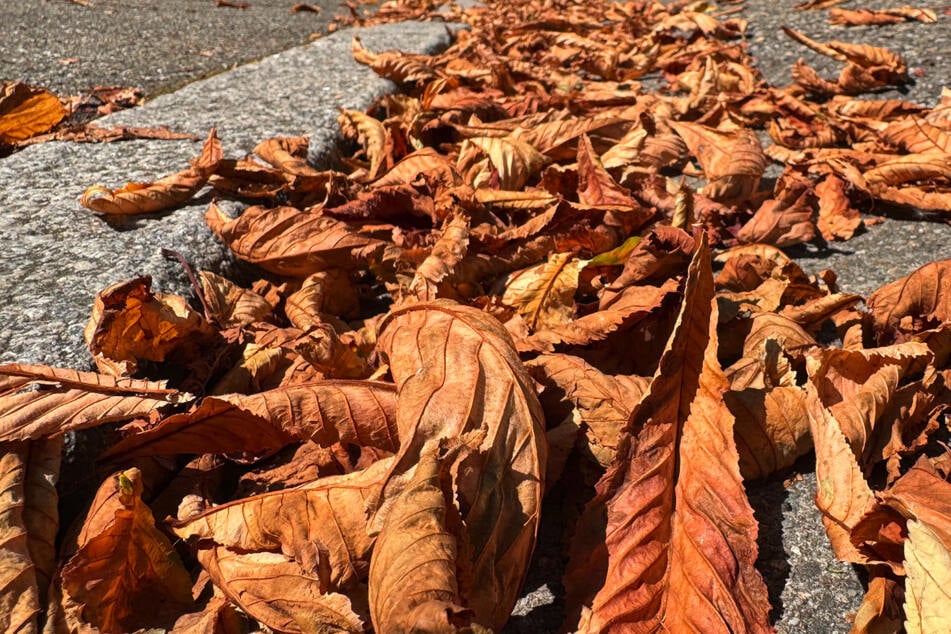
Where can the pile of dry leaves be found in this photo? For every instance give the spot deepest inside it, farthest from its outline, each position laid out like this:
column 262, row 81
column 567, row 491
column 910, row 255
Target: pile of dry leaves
column 502, row 289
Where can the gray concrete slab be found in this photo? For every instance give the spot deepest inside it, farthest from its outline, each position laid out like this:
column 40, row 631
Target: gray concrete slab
column 155, row 45
column 57, row 255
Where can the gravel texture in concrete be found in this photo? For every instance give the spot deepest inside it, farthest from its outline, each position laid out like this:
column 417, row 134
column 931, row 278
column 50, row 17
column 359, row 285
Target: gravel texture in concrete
column 155, row 45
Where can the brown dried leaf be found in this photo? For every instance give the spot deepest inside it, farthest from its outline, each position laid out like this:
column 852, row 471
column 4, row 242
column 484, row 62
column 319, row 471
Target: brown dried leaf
column 287, row 241
column 322, row 293
column 838, row 219
column 498, row 163
column 231, row 305
column 448, row 359
column 600, row 403
column 26, row 111
column 372, row 135
column 128, row 575
column 37, row 401
column 130, row 323
column 913, row 303
column 924, row 497
column 629, row 307
column 783, row 220
column 449, row 250
column 865, row 17
column 771, row 430
column 19, row 593
column 218, row 617
column 165, row 193
column 732, row 162
column 676, row 553
column 287, row 554
column 418, row 544
column 394, row 65
column 544, row 294
column 362, row 413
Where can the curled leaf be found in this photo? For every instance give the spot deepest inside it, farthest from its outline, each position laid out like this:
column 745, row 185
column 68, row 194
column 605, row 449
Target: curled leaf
column 165, row 193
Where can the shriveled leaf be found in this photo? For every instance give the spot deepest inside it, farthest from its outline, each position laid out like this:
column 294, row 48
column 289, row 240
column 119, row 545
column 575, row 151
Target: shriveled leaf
column 279, row 593
column 675, row 552
column 440, row 263
column 771, row 430
column 218, row 617
column 324, row 292
column 394, row 65
column 417, row 542
column 600, row 403
column 913, row 303
column 458, row 375
column 41, row 508
column 928, row 564
column 37, row 401
column 296, row 560
column 499, row 163
column 26, row 111
column 843, row 495
column 230, row 304
column 626, row 309
column 19, row 593
column 165, row 193
column 371, row 134
column 357, row 412
column 784, row 220
column 130, row 323
column 128, row 575
column 732, row 162
column 544, row 294
column 838, row 219
column 287, row 241
column 924, row 498
column 880, row 612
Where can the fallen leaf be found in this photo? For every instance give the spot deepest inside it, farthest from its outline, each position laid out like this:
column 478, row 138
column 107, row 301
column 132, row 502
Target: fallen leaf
column 127, row 574
column 450, row 358
column 130, row 324
column 26, row 111
column 354, row 412
column 170, row 191
column 662, row 524
column 37, row 401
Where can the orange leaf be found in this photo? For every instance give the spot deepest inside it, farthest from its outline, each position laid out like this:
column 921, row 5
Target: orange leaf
column 732, row 162
column 128, row 575
column 165, row 193
column 231, row 305
column 913, row 303
column 677, row 553
column 19, row 593
column 459, row 375
column 838, row 219
column 26, row 111
column 294, row 559
column 357, row 412
column 544, row 294
column 41, row 402
column 413, row 584
column 601, row 403
column 130, row 323
column 287, row 241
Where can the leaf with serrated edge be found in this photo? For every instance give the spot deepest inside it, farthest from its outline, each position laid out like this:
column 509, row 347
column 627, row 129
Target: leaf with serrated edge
column 678, row 552
column 357, row 412
column 37, row 401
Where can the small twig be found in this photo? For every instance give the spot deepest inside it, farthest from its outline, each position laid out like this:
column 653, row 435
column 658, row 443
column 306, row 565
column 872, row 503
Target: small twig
column 169, row 254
